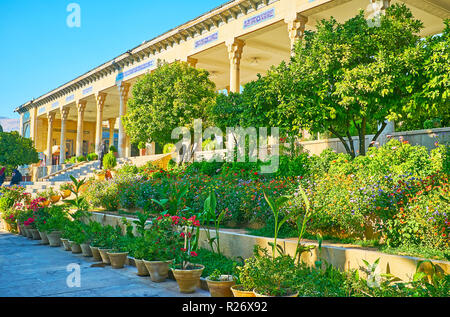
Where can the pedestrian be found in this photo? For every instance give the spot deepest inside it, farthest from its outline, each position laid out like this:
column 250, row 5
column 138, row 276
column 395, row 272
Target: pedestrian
column 103, row 152
column 2, row 176
column 16, row 177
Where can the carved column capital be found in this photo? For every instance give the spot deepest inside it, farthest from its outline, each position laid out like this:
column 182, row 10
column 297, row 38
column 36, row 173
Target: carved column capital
column 81, row 105
column 235, row 50
column 124, row 88
column 51, row 117
column 296, row 28
column 64, row 113
column 100, row 98
column 192, row 61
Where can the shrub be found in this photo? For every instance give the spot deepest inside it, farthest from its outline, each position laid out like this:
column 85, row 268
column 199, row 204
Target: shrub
column 112, row 149
column 81, row 159
column 92, row 157
column 109, row 161
column 169, row 148
column 103, row 194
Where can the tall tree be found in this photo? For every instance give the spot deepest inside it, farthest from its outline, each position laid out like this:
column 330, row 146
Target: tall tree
column 429, row 64
column 16, row 150
column 172, row 96
column 349, row 74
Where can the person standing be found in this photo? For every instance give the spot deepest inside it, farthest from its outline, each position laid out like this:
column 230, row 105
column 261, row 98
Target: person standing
column 16, row 177
column 2, row 176
column 103, row 152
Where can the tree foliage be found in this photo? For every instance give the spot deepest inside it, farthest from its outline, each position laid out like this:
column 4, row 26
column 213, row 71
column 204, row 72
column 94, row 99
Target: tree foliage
column 16, row 150
column 172, row 96
column 349, row 74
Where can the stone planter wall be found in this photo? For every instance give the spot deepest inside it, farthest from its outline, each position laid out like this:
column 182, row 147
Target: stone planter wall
column 236, row 245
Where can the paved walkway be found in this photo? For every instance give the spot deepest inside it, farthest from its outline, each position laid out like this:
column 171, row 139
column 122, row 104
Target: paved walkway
column 28, row 269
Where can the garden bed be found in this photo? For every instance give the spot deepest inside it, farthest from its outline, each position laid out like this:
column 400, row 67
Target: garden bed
column 343, row 257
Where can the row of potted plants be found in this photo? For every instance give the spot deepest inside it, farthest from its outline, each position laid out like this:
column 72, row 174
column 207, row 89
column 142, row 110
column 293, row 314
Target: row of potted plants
column 157, row 245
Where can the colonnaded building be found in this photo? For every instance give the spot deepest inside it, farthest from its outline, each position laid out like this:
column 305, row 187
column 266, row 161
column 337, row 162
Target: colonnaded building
column 234, row 42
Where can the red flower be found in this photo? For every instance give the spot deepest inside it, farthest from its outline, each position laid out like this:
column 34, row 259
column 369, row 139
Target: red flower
column 194, row 254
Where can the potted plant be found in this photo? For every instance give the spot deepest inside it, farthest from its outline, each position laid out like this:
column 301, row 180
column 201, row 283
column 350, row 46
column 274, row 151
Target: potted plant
column 220, row 285
column 105, row 242
column 162, row 240
column 142, row 148
column 245, row 279
column 138, row 253
column 187, row 274
column 96, row 237
column 30, row 224
column 118, row 254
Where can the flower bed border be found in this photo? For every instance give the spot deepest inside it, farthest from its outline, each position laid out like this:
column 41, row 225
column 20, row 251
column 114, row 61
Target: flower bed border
column 234, row 245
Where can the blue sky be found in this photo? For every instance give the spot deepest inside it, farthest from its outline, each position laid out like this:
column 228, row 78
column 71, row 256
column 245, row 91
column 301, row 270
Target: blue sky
column 39, row 52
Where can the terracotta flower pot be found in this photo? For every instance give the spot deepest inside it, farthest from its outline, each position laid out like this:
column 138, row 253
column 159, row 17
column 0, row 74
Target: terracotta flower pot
column 55, row 199
column 76, row 248
column 44, row 237
column 54, row 238
column 86, row 250
column 159, row 270
column 117, row 259
column 95, row 253
column 104, row 255
column 188, row 279
column 239, row 292
column 35, row 234
column 66, row 244
column 141, row 267
column 221, row 288
column 260, row 295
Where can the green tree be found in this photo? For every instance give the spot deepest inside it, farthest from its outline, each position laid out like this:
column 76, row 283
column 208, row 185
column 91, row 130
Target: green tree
column 16, row 150
column 430, row 70
column 349, row 75
column 172, row 96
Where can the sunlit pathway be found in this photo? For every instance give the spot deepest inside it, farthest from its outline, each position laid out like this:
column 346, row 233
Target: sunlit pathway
column 28, row 269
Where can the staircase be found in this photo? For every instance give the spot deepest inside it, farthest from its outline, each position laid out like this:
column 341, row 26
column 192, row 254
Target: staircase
column 84, row 170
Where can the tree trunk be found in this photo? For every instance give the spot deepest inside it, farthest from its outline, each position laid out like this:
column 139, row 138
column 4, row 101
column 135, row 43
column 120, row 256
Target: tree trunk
column 362, row 138
column 347, row 148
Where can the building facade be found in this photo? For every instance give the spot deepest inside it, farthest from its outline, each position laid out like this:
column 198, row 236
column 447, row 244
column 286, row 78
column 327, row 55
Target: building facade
column 234, row 42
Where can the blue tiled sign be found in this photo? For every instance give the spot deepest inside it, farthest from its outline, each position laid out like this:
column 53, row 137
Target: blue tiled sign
column 136, row 69
column 206, row 40
column 87, row 90
column 267, row 15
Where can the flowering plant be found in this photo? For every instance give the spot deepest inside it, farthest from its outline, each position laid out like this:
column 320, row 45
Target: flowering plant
column 187, row 252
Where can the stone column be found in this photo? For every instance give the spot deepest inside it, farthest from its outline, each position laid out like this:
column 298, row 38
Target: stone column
column 112, row 124
column 192, row 62
column 123, row 95
column 81, row 107
column 62, row 147
column 100, row 98
column 296, row 30
column 51, row 120
column 33, row 125
column 235, row 49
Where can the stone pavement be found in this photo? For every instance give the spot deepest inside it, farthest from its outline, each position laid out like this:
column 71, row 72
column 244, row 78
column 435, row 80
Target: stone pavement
column 29, row 269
